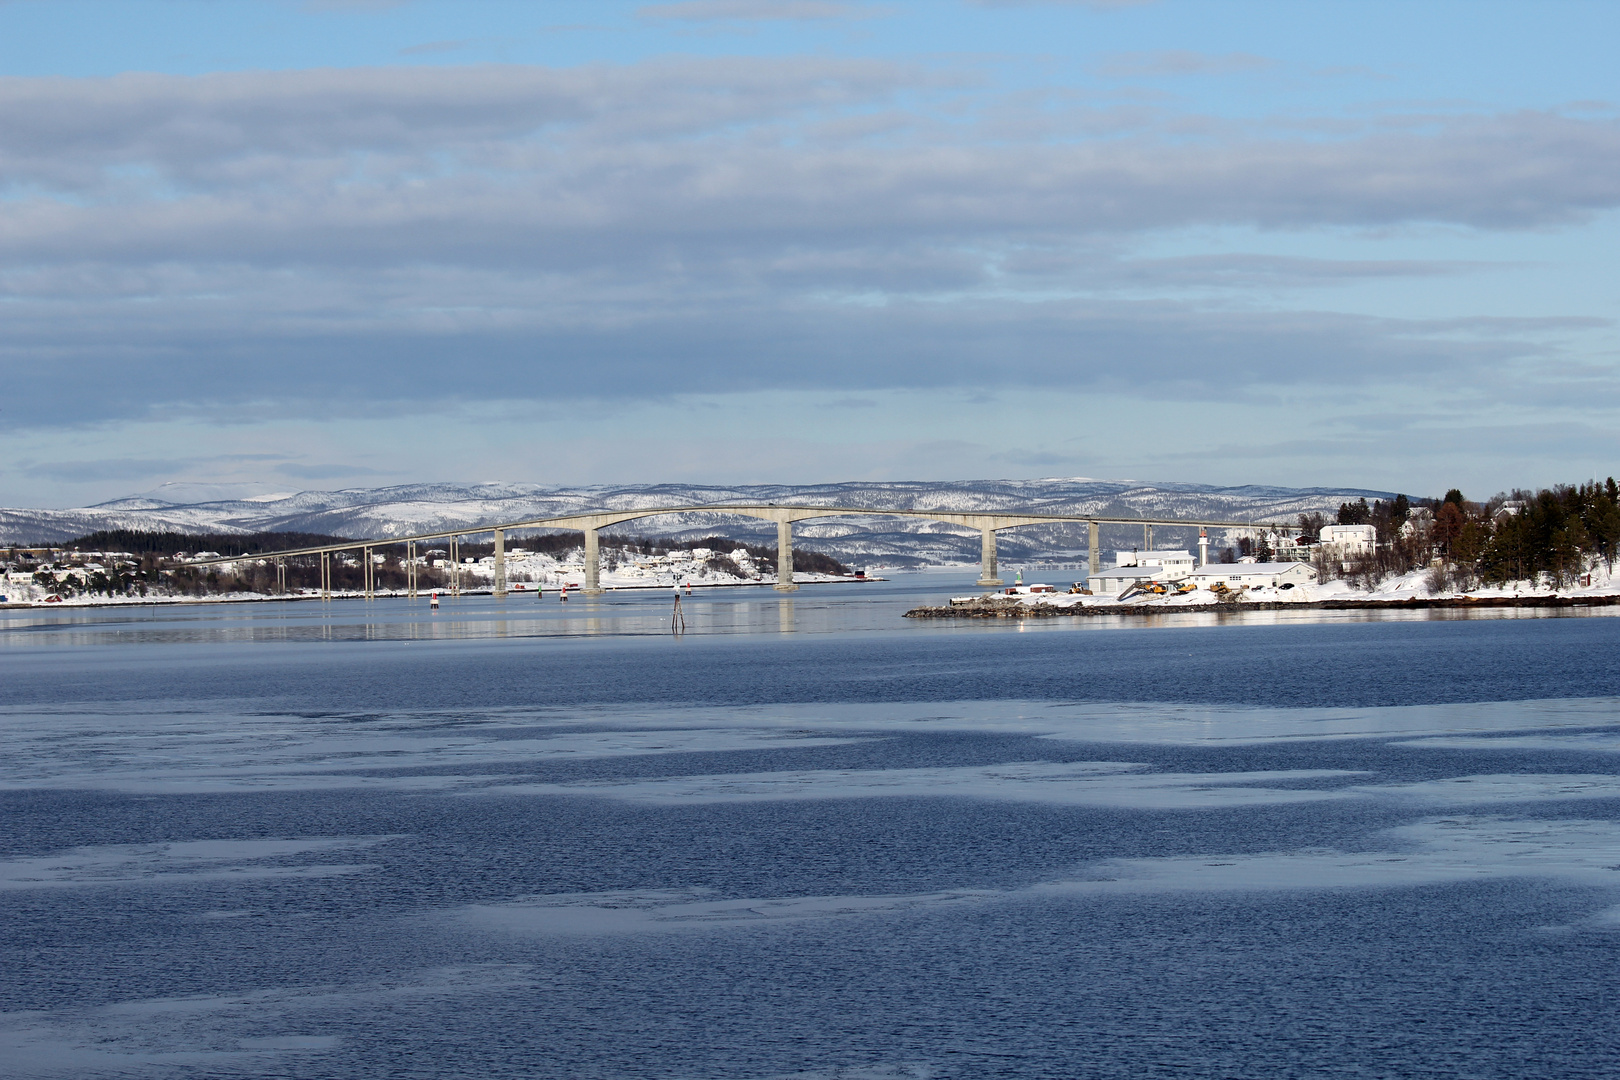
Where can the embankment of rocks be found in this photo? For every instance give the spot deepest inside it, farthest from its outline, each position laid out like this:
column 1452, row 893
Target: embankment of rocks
column 999, row 608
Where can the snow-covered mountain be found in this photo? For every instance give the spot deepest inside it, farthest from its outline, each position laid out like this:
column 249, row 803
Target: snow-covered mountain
column 414, row 508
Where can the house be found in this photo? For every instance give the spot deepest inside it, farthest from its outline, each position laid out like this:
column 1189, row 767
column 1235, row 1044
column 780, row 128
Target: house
column 1253, row 575
column 1178, row 563
column 1418, row 522
column 1510, row 509
column 1349, row 540
column 1292, row 548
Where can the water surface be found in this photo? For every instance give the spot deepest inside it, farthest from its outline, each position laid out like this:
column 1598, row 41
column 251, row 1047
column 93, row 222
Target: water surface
column 806, row 838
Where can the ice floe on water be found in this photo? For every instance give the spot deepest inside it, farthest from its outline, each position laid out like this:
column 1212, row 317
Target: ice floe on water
column 673, row 911
column 1505, row 788
column 182, row 862
column 191, row 750
column 257, row 1032
column 1584, row 742
column 1426, row 852
column 1083, row 783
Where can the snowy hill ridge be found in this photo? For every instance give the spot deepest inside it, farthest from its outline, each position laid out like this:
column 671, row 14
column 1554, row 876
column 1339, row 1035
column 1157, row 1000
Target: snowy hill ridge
column 413, row 508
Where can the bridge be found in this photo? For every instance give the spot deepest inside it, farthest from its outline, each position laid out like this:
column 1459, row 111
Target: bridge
column 988, row 522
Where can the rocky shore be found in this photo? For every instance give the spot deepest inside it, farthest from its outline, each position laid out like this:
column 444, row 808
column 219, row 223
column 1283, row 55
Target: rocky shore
column 997, row 607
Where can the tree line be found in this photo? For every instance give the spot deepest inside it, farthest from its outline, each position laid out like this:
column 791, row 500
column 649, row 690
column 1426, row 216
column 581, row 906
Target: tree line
column 1554, row 535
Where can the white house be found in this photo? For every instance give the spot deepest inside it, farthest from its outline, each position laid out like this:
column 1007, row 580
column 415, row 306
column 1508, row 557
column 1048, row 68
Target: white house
column 1179, row 563
column 1349, row 540
column 1291, row 548
column 1253, row 575
column 1418, row 522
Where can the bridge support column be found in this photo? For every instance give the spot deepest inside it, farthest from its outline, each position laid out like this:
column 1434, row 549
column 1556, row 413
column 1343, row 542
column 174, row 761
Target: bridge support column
column 500, row 563
column 1091, row 543
column 987, row 560
column 784, row 557
column 593, row 564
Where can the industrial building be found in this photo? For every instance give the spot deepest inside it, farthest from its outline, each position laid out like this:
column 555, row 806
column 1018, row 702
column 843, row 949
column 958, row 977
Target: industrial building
column 1253, row 575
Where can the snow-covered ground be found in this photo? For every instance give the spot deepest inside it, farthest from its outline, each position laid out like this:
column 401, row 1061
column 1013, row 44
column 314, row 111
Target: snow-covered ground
column 1414, row 585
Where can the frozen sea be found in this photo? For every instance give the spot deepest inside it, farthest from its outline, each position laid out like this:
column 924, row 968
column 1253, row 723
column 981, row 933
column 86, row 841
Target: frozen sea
column 808, row 838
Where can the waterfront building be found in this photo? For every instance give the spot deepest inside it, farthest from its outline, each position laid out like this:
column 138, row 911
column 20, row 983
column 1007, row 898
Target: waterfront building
column 1253, row 575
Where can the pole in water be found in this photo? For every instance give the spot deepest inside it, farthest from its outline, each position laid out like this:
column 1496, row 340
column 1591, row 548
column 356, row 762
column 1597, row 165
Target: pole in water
column 688, row 588
column 433, row 601
column 677, row 619
column 564, row 594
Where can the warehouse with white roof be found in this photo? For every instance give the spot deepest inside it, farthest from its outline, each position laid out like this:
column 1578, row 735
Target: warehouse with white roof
column 1253, row 575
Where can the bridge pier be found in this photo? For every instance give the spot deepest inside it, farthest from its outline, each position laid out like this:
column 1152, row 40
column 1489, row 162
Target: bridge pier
column 784, row 556
column 1091, row 544
column 987, row 560
column 593, row 563
column 500, row 563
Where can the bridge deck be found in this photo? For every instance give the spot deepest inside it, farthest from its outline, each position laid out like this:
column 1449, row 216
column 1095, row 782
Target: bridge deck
column 988, row 522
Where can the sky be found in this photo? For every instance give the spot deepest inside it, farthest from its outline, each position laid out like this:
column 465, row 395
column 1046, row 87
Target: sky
column 333, row 243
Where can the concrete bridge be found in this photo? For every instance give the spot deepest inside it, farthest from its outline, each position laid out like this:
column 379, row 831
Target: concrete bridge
column 988, row 522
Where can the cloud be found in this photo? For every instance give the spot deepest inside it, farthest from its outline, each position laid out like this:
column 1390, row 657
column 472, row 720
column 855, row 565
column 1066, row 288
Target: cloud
column 1095, row 5
column 1179, row 62
column 433, row 47
column 351, row 5
column 750, row 10
column 104, row 470
column 326, row 472
column 370, row 239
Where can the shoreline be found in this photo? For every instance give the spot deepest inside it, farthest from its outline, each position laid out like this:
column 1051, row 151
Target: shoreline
column 422, row 594
column 1003, row 609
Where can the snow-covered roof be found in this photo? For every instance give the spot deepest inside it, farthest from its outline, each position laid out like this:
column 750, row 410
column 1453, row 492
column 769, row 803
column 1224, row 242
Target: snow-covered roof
column 1131, row 572
column 1226, row 569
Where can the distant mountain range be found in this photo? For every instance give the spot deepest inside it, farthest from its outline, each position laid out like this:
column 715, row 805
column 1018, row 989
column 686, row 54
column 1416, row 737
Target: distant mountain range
column 414, row 508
